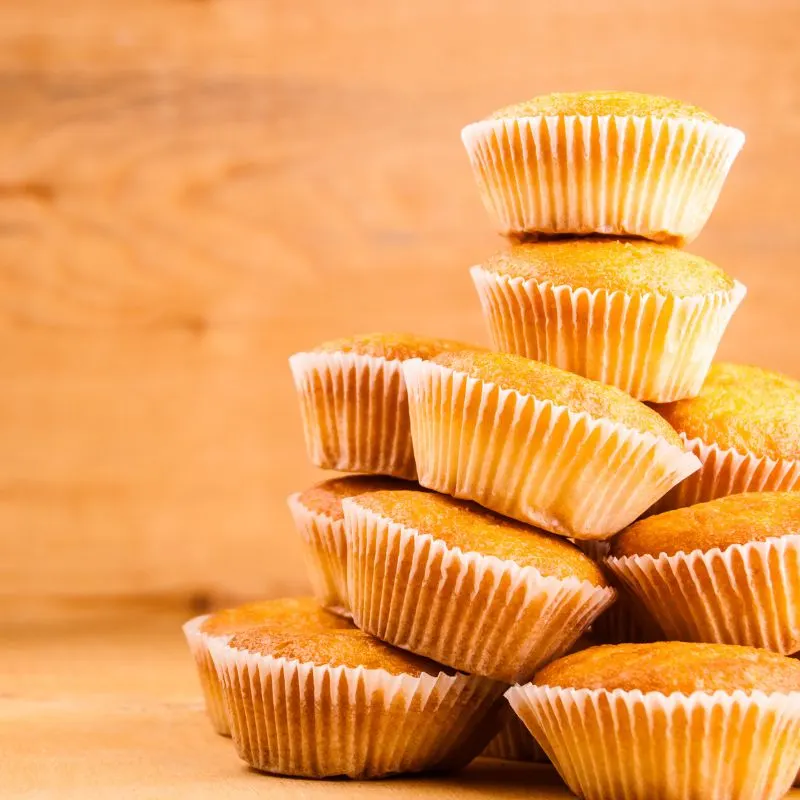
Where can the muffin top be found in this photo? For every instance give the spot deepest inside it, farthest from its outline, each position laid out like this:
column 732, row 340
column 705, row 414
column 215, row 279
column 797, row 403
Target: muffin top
column 341, row 648
column 292, row 613
column 544, row 382
column 614, row 265
column 743, row 408
column 736, row 519
column 391, row 346
column 472, row 529
column 603, row 103
column 326, row 497
column 669, row 667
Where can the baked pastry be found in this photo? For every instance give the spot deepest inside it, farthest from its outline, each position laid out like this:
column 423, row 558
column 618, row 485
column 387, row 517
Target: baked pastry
column 616, row 163
column 291, row 613
column 744, row 426
column 353, row 401
column 723, row 571
column 538, row 444
column 669, row 720
column 343, row 703
column 318, row 515
column 641, row 316
column 513, row 742
column 465, row 587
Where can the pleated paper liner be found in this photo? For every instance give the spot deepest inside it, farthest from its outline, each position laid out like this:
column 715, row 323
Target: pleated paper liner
column 325, row 551
column 475, row 613
column 621, row 175
column 727, row 471
column 514, row 742
column 654, row 347
column 294, row 718
column 671, row 747
column 533, row 460
column 209, row 682
column 745, row 594
column 355, row 413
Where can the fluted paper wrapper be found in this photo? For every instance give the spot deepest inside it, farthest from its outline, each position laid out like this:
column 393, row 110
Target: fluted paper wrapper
column 621, row 175
column 639, row 746
column 293, row 718
column 727, row 471
column 514, row 742
column 355, row 413
column 654, row 347
column 475, row 613
column 533, row 460
column 209, row 682
column 325, row 550
column 745, row 594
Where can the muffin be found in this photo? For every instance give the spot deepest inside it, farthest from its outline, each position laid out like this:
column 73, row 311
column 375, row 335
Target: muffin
column 513, row 742
column 318, row 515
column 292, row 613
column 725, row 571
column 539, row 444
column 342, row 703
column 353, row 401
column 641, row 316
column 744, row 426
column 453, row 582
column 669, row 720
column 616, row 163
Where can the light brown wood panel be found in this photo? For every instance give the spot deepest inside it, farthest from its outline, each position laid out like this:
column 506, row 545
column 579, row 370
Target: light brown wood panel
column 190, row 191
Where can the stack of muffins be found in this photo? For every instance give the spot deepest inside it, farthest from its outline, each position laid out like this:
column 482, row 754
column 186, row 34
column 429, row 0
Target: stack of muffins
column 581, row 547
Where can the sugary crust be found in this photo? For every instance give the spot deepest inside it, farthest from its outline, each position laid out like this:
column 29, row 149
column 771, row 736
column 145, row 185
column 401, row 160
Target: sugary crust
column 669, row 667
column 744, row 408
column 391, row 346
column 326, row 497
column 473, row 529
column 574, row 392
column 595, row 263
column 603, row 103
column 736, row 519
column 292, row 613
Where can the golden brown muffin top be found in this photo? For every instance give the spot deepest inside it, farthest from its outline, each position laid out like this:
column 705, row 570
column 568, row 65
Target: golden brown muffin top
column 459, row 523
column 288, row 613
column 624, row 265
column 391, row 346
column 326, row 497
column 347, row 648
column 603, row 103
column 743, row 408
column 736, row 519
column 544, row 382
column 669, row 667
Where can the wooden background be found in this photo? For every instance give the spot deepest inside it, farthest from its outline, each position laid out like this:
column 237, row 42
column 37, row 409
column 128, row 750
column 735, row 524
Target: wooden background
column 191, row 190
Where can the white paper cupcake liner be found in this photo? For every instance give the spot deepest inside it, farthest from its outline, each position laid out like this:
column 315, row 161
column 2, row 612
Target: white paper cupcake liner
column 654, row 347
column 671, row 747
column 621, row 175
column 475, row 613
column 745, row 594
column 294, row 718
column 355, row 413
column 514, row 742
column 533, row 460
column 209, row 682
column 325, row 550
column 727, row 471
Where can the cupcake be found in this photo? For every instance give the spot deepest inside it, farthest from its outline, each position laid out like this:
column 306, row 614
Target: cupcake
column 513, row 742
column 725, row 571
column 295, row 614
column 319, row 519
column 669, row 720
column 353, row 401
column 744, row 426
column 539, row 444
column 641, row 316
column 342, row 703
column 616, row 163
column 453, row 582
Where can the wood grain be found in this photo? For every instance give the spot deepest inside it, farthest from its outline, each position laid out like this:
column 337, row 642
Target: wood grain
column 190, row 191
